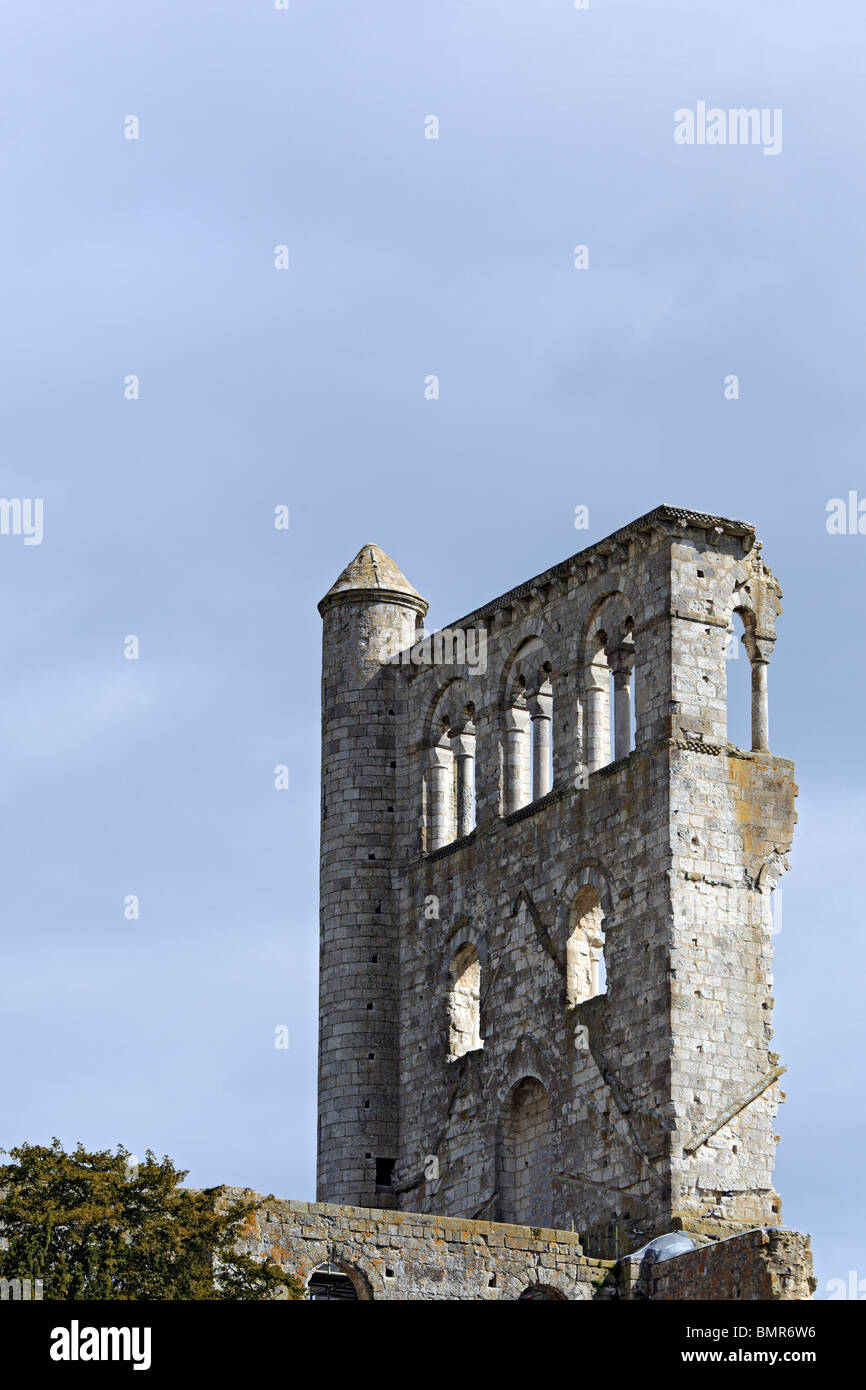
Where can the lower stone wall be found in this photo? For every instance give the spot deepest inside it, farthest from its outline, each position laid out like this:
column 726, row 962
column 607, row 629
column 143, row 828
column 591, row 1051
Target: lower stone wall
column 414, row 1256
column 407, row 1255
column 768, row 1263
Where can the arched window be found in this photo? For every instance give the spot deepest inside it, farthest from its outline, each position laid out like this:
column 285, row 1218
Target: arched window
column 542, row 1293
column 449, row 794
column 464, row 1003
column 525, row 1157
column 584, row 952
column 331, row 1284
column 621, row 660
column 608, row 693
column 528, row 701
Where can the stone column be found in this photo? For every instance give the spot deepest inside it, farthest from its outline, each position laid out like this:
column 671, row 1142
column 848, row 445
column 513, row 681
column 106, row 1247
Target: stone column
column 542, row 714
column 621, row 663
column 760, row 709
column 759, row 649
column 489, row 764
column 596, row 947
column 516, row 737
column 596, row 701
column 463, row 745
column 441, row 782
column 597, row 727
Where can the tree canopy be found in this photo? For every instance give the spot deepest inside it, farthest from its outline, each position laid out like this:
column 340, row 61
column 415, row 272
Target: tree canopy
column 103, row 1226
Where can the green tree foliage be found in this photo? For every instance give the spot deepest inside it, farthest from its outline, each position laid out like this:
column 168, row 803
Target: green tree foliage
column 97, row 1225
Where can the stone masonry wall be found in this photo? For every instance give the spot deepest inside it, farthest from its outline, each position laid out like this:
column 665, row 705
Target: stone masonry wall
column 396, row 1255
column 409, row 1256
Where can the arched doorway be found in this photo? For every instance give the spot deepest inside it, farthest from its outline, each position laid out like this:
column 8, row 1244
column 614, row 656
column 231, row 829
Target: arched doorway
column 331, row 1284
column 524, row 1157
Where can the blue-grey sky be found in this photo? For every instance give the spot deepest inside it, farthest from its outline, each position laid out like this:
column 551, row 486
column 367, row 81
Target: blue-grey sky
column 408, row 257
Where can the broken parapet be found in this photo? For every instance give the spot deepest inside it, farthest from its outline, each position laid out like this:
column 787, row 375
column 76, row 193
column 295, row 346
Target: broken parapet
column 768, row 1263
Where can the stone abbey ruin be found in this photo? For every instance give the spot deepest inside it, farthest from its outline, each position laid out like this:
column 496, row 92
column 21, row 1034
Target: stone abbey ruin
column 545, row 986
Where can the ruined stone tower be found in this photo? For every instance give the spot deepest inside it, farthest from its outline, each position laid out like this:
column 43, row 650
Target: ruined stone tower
column 362, row 710
column 545, row 894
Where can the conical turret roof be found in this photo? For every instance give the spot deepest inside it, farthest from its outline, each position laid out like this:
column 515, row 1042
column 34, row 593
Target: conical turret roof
column 373, row 573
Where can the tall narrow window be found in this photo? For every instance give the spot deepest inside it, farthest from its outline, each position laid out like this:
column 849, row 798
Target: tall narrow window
column 541, row 713
column 738, row 694
column 585, row 969
column 621, row 660
column 464, row 1004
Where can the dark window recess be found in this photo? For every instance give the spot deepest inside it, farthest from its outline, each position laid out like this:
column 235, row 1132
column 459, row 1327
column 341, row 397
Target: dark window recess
column 385, row 1171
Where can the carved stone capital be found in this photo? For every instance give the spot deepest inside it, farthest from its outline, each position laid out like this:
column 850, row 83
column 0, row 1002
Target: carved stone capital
column 516, row 719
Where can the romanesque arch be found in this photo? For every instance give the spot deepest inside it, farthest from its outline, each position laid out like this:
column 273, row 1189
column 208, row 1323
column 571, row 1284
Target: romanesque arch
column 334, row 1281
column 524, row 1166
column 527, row 699
column 608, row 650
column 449, row 773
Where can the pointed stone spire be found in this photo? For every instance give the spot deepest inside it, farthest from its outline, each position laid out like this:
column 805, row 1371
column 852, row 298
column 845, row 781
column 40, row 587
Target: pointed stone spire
column 373, row 574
